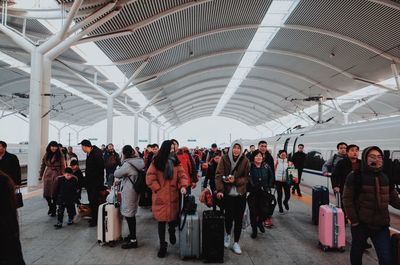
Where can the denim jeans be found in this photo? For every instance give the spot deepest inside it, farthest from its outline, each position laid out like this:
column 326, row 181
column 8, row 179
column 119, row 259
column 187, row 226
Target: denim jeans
column 380, row 238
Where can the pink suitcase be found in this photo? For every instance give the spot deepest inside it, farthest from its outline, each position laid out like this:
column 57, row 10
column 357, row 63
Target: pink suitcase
column 331, row 228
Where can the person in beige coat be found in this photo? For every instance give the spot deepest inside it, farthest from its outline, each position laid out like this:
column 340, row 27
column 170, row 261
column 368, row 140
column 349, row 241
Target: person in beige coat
column 166, row 177
column 231, row 179
column 53, row 165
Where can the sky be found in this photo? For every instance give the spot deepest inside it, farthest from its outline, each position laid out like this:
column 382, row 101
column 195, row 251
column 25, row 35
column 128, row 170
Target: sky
column 205, row 131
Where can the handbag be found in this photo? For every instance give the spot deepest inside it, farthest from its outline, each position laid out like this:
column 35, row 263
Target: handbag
column 293, row 175
column 19, row 199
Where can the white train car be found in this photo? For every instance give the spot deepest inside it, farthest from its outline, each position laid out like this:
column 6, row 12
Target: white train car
column 320, row 143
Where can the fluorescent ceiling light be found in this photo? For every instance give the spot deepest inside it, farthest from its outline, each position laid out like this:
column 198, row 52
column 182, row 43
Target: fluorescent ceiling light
column 276, row 15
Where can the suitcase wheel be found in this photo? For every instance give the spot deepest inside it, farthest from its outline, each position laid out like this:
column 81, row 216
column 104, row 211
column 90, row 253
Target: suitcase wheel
column 325, row 248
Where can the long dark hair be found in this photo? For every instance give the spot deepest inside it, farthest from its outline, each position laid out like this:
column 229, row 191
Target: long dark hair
column 162, row 156
column 50, row 154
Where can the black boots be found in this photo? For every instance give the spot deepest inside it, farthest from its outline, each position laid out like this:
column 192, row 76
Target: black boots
column 254, row 232
column 132, row 243
column 172, row 238
column 163, row 250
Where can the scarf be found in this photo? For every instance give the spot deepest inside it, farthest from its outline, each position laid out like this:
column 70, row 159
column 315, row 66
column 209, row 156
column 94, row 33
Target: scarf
column 230, row 154
column 169, row 167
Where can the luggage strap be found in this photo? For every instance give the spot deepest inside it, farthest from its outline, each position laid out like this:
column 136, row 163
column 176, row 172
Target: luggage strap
column 335, row 229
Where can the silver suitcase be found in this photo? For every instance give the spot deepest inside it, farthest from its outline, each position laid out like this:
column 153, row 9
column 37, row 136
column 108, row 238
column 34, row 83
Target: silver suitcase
column 189, row 236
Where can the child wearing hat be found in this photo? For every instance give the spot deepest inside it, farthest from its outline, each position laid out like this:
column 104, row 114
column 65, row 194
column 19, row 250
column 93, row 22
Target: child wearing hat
column 66, row 195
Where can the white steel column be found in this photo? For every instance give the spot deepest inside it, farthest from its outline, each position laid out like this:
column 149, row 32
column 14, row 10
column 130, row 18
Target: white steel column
column 164, row 135
column 396, row 75
column 136, row 130
column 149, row 133
column 46, row 90
column 158, row 134
column 35, row 111
column 110, row 110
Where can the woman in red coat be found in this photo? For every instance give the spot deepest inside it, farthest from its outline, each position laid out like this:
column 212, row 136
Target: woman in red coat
column 163, row 177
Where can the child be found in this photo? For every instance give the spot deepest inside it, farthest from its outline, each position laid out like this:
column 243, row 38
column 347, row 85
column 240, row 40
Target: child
column 65, row 194
column 81, row 180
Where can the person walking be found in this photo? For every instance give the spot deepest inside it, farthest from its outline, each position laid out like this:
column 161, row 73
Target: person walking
column 53, row 165
column 231, row 178
column 298, row 159
column 9, row 164
column 166, row 177
column 128, row 174
column 366, row 198
column 261, row 181
column 281, row 180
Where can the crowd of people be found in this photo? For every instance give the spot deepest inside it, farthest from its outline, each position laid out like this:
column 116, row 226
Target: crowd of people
column 236, row 176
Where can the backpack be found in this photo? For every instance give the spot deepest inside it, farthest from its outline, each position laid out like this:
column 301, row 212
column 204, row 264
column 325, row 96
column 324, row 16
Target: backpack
column 140, row 184
column 331, row 167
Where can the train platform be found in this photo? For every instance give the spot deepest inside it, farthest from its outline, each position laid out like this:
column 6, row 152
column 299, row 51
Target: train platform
column 292, row 240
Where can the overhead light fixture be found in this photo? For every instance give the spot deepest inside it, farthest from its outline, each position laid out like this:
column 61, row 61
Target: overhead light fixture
column 276, row 15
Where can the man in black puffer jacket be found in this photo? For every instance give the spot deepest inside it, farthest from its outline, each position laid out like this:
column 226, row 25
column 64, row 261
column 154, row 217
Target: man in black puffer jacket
column 366, row 197
column 94, row 176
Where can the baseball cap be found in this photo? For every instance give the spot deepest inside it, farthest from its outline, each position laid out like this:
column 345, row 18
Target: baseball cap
column 86, row 143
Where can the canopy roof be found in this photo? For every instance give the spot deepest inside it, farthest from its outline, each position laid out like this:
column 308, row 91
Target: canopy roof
column 191, row 49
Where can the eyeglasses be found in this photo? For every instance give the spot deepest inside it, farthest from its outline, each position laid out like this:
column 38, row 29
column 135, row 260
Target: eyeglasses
column 376, row 157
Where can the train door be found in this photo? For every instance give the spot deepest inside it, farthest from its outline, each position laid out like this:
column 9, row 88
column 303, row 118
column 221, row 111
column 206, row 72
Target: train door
column 285, row 146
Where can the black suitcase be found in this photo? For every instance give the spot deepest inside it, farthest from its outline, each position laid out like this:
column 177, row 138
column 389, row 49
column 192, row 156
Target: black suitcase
column 213, row 232
column 320, row 196
column 395, row 243
column 145, row 198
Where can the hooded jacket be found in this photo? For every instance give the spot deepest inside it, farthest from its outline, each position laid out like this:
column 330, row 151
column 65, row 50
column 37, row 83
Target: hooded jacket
column 367, row 195
column 241, row 174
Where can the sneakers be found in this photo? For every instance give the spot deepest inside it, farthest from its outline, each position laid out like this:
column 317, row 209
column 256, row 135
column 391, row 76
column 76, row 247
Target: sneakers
column 286, row 204
column 70, row 222
column 58, row 225
column 131, row 244
column 268, row 223
column 236, row 248
column 227, row 241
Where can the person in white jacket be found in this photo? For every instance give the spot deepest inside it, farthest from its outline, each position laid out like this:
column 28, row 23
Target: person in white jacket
column 281, row 183
column 127, row 174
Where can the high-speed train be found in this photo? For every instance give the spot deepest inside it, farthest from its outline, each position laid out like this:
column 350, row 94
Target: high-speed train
column 320, row 143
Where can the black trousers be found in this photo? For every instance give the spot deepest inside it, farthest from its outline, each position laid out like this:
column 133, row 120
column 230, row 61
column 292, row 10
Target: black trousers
column 93, row 196
column 52, row 204
column 286, row 188
column 70, row 210
column 254, row 202
column 161, row 230
column 296, row 186
column 132, row 226
column 234, row 210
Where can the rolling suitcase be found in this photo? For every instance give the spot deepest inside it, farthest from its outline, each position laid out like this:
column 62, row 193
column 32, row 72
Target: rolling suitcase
column 331, row 227
column 189, row 236
column 213, row 235
column 109, row 224
column 320, row 196
column 395, row 245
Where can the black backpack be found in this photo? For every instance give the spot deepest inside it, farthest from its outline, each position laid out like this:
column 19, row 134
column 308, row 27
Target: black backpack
column 140, row 184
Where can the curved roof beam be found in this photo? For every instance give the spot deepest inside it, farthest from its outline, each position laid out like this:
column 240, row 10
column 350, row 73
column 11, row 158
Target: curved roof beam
column 339, row 36
column 284, row 86
column 324, row 63
column 184, row 40
column 387, row 3
column 196, row 99
column 239, row 106
column 198, row 58
column 297, row 76
column 205, row 113
column 132, row 28
column 14, row 82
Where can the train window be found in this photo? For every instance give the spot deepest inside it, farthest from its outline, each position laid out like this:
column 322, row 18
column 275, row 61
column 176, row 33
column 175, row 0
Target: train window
column 286, row 144
column 396, row 155
column 314, row 160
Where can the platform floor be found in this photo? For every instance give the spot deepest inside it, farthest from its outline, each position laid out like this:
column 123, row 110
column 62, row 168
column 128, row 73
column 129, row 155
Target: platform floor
column 292, row 240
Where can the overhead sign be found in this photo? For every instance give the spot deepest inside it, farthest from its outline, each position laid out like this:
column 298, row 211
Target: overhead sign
column 142, row 141
column 192, row 140
column 92, row 139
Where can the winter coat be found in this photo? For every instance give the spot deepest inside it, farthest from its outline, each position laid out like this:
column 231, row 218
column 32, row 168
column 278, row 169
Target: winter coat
column 330, row 165
column 9, row 164
column 49, row 171
column 188, row 165
column 66, row 190
column 241, row 175
column 112, row 161
column 260, row 177
column 342, row 169
column 298, row 160
column 367, row 195
column 128, row 175
column 165, row 200
column 281, row 170
column 94, row 170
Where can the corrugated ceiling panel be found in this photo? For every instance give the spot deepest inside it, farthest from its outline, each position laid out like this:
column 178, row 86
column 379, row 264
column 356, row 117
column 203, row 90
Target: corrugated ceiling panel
column 372, row 23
